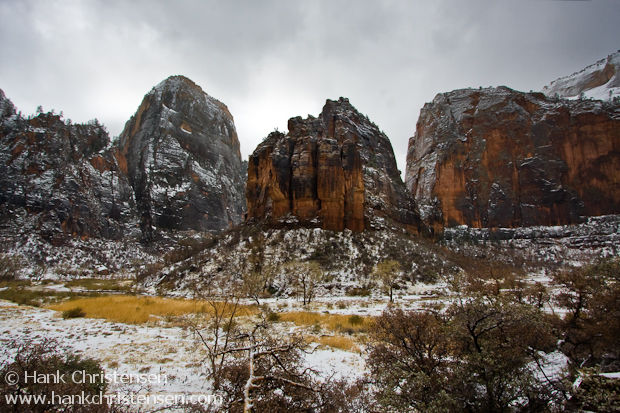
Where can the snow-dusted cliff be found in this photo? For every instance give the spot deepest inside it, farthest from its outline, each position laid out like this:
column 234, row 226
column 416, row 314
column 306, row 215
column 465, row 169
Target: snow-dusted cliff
column 600, row 80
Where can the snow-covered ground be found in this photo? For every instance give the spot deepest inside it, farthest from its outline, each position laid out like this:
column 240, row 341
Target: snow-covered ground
column 129, row 349
column 174, row 357
column 171, row 357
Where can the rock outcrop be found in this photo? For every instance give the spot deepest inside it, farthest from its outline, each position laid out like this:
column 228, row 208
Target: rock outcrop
column 336, row 171
column 600, row 80
column 176, row 166
column 181, row 154
column 64, row 174
column 501, row 158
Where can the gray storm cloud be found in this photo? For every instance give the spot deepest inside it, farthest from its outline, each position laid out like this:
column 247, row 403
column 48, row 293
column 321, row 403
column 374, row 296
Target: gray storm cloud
column 271, row 60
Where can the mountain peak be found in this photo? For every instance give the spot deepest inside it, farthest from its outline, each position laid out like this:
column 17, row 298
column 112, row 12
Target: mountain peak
column 183, row 159
column 336, row 171
column 177, row 82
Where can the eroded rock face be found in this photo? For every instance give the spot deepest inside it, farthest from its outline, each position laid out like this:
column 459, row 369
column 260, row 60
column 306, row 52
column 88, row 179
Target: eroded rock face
column 64, row 174
column 501, row 158
column 176, row 166
column 337, row 170
column 181, row 154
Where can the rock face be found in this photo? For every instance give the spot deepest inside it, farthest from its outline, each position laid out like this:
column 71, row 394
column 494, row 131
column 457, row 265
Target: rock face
column 181, row 154
column 501, row 158
column 598, row 81
column 66, row 175
column 176, row 166
column 337, row 170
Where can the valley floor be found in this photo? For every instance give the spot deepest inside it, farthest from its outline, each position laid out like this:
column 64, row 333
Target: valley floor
column 168, row 350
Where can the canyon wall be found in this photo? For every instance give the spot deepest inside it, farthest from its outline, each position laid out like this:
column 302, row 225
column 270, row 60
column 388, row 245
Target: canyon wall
column 496, row 157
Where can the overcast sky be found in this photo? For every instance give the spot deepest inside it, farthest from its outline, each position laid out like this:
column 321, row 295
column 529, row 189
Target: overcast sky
column 272, row 60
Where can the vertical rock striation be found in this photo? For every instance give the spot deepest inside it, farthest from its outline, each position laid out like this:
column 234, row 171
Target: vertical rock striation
column 65, row 175
column 176, row 166
column 337, row 170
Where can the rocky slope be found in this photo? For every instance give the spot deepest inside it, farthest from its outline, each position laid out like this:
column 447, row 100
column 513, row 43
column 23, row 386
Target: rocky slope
column 65, row 176
column 335, row 171
column 181, row 154
column 540, row 248
column 501, row 158
column 598, row 81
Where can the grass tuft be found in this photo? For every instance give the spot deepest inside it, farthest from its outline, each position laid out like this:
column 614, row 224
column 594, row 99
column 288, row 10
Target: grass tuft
column 100, row 284
column 74, row 312
column 336, row 341
column 25, row 295
column 341, row 342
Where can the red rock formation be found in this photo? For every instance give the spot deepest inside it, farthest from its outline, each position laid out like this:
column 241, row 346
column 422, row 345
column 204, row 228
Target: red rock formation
column 501, row 158
column 338, row 170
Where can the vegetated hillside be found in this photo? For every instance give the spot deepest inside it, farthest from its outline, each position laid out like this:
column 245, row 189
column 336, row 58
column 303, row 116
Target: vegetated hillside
column 337, row 170
column 539, row 248
column 600, row 80
column 346, row 260
column 497, row 157
column 219, row 264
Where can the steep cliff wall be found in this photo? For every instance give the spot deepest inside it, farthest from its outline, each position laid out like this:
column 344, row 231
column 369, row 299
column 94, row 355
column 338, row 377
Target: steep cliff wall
column 63, row 174
column 501, row 158
column 181, row 154
column 337, row 170
column 176, row 166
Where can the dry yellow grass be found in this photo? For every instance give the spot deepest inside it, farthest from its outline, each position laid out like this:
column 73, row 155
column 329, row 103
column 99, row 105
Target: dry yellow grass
column 341, row 342
column 334, row 322
column 136, row 310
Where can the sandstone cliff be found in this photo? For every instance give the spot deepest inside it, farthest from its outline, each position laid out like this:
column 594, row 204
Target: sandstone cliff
column 501, row 158
column 337, row 171
column 64, row 175
column 181, row 154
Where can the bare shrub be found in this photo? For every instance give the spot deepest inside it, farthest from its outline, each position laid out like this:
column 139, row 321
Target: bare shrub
column 591, row 328
column 48, row 359
column 476, row 356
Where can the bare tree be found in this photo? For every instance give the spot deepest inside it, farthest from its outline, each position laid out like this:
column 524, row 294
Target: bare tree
column 256, row 281
column 305, row 276
column 255, row 371
column 217, row 338
column 269, row 361
column 388, row 272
